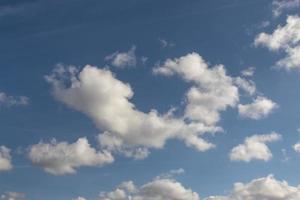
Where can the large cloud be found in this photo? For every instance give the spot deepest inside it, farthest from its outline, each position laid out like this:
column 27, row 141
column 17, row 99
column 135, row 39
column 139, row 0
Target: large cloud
column 254, row 148
column 261, row 107
column 105, row 99
column 285, row 38
column 267, row 188
column 5, row 159
column 62, row 158
column 158, row 189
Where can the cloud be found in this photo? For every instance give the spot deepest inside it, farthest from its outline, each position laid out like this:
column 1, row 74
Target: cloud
column 260, row 108
column 5, row 159
column 246, row 85
column 123, row 59
column 165, row 44
column 248, row 72
column 80, row 198
column 296, row 147
column 171, row 174
column 7, row 100
column 13, row 196
column 266, row 188
column 159, row 189
column 281, row 5
column 60, row 158
column 213, row 90
column 285, row 38
column 106, row 100
column 254, row 148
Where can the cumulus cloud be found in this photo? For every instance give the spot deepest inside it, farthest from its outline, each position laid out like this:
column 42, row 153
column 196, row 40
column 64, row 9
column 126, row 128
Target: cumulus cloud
column 254, row 148
column 213, row 90
column 123, row 59
column 60, row 158
column 285, row 38
column 281, row 5
column 266, row 188
column 296, row 147
column 5, row 159
column 13, row 196
column 7, row 100
column 106, row 100
column 158, row 189
column 261, row 107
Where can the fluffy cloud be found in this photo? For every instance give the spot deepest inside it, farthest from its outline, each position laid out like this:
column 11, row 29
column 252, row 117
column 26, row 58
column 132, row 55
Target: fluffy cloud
column 13, row 196
column 5, row 159
column 159, row 189
column 60, row 158
column 259, row 108
column 213, row 89
column 7, row 100
column 280, row 5
column 285, row 38
column 296, row 147
column 123, row 59
column 254, row 148
column 246, row 85
column 248, row 72
column 106, row 100
column 267, row 188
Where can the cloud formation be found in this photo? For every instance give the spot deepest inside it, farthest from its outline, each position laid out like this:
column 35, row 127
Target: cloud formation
column 106, row 100
column 281, row 5
column 284, row 38
column 159, row 189
column 266, row 188
column 5, row 159
column 254, row 148
column 60, row 158
column 123, row 59
column 260, row 108
column 8, row 101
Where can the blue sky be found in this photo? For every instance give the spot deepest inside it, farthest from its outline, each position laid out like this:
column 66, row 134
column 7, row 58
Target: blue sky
column 95, row 70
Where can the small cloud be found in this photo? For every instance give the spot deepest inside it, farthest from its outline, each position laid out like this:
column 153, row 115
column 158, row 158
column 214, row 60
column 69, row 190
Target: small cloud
column 123, row 59
column 9, row 101
column 165, row 44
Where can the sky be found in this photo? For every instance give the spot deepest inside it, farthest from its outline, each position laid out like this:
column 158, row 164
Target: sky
column 149, row 100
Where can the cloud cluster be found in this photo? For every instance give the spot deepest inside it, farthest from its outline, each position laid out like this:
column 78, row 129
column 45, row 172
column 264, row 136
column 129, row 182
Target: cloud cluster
column 7, row 100
column 159, row 189
column 259, row 108
column 285, row 38
column 5, row 159
column 106, row 100
column 254, row 148
column 281, row 5
column 60, row 158
column 123, row 59
column 267, row 188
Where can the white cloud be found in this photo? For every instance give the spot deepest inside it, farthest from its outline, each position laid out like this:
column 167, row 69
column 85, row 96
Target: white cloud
column 159, row 189
column 171, row 174
column 5, row 159
column 214, row 90
column 281, row 5
column 254, row 148
column 246, row 85
column 13, row 196
column 60, row 158
column 296, row 147
column 259, row 108
column 106, row 100
column 266, row 188
column 248, row 72
column 123, row 59
column 285, row 38
column 7, row 100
